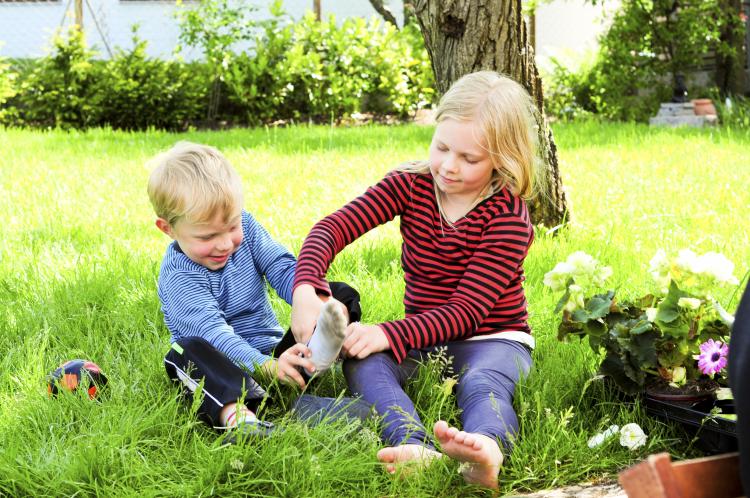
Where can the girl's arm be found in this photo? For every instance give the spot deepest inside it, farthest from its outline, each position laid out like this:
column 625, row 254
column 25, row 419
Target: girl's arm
column 380, row 203
column 495, row 264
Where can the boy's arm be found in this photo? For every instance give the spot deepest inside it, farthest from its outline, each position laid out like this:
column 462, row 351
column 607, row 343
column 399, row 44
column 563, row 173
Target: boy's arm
column 271, row 259
column 191, row 311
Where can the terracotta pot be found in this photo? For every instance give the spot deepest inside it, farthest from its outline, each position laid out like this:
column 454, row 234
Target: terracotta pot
column 682, row 398
column 704, row 107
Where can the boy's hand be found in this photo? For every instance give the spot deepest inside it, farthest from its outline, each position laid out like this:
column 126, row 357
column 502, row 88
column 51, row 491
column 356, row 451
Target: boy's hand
column 285, row 367
column 363, row 340
column 305, row 310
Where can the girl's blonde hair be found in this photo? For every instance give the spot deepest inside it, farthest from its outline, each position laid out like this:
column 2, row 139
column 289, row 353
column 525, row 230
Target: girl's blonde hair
column 194, row 182
column 504, row 114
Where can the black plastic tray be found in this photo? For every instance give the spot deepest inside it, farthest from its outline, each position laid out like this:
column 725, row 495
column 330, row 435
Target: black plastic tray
column 714, row 434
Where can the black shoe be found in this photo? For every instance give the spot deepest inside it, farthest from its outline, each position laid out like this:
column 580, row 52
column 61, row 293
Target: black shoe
column 249, row 430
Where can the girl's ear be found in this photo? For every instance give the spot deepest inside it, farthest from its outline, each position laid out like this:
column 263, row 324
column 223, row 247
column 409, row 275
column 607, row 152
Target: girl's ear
column 164, row 226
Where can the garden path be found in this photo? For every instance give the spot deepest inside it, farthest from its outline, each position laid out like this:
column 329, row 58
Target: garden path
column 610, row 490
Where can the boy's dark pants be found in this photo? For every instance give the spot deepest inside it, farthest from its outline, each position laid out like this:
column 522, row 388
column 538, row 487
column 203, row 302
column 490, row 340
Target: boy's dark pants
column 191, row 360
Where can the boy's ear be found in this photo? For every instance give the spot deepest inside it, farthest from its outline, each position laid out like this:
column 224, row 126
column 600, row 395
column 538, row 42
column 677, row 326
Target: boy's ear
column 164, row 226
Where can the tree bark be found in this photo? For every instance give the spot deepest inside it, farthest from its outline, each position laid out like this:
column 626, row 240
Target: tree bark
column 317, row 10
column 730, row 71
column 463, row 36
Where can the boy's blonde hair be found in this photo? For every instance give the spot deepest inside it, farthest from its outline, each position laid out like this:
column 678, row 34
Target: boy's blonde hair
column 194, row 182
column 504, row 113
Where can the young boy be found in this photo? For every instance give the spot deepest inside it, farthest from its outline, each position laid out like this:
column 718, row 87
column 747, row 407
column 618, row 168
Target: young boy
column 212, row 288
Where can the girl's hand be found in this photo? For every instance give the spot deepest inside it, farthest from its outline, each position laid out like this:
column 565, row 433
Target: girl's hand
column 305, row 310
column 285, row 368
column 363, row 340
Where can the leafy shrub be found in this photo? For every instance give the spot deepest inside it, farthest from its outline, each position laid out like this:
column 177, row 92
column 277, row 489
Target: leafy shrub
column 648, row 44
column 568, row 93
column 58, row 92
column 135, row 92
column 293, row 71
column 215, row 26
column 733, row 111
column 7, row 87
column 319, row 70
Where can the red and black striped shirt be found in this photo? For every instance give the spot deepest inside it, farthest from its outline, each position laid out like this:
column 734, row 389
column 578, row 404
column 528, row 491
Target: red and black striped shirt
column 461, row 281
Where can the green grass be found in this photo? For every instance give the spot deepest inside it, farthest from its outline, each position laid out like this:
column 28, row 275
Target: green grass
column 79, row 257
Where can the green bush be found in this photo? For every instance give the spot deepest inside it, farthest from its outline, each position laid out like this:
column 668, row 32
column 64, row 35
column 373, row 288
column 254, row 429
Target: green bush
column 135, row 92
column 59, row 91
column 648, row 44
column 305, row 70
column 319, row 70
column 7, row 88
column 734, row 111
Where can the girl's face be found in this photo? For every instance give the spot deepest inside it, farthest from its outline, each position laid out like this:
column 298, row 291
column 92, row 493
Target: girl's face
column 459, row 164
column 208, row 244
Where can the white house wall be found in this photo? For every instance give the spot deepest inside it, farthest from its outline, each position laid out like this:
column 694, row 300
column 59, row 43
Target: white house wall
column 26, row 28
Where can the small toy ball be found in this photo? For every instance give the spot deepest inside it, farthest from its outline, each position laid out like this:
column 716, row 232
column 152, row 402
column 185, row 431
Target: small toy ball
column 75, row 374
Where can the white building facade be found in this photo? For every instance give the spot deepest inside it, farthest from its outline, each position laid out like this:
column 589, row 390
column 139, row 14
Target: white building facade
column 27, row 26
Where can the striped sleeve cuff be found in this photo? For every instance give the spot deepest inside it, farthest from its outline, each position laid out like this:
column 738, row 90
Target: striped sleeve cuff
column 320, row 285
column 396, row 339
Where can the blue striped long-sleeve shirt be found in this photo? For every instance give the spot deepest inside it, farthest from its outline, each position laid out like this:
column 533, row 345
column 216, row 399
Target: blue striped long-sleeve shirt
column 230, row 307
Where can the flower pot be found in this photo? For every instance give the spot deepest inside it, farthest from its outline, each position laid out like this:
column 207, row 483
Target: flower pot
column 714, row 434
column 687, row 398
column 704, row 107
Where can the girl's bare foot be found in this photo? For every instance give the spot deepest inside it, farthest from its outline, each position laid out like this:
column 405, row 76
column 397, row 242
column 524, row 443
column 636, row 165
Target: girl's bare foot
column 480, row 453
column 406, row 453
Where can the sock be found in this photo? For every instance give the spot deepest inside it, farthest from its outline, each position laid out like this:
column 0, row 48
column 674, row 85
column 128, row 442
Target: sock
column 328, row 337
column 233, row 419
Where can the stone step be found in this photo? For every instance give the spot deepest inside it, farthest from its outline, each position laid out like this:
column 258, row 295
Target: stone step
column 674, row 121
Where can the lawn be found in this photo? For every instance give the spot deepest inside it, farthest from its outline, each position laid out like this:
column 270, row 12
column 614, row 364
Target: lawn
column 79, row 258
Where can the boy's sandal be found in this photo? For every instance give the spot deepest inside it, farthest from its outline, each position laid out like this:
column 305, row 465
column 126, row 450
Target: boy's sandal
column 250, row 430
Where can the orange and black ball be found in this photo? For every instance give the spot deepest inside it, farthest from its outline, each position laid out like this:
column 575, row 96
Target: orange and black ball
column 77, row 374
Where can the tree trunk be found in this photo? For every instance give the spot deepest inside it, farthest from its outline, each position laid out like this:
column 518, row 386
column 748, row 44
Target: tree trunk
column 317, row 10
column 730, row 71
column 463, row 36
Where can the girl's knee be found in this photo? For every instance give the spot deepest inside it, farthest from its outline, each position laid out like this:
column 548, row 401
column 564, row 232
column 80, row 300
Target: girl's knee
column 367, row 371
column 483, row 382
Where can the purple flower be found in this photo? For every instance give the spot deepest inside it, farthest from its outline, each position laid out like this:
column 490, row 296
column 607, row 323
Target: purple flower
column 713, row 357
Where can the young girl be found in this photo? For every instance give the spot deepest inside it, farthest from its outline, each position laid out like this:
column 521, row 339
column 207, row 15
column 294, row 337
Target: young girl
column 466, row 232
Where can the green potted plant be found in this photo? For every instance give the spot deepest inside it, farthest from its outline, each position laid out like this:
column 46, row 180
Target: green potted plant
column 674, row 340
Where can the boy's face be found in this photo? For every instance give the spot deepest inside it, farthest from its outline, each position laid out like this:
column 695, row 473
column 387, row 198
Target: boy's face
column 209, row 244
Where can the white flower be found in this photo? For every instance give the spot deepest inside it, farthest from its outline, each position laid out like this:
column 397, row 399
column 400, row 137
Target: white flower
column 678, row 375
column 689, row 303
column 651, row 314
column 687, row 261
column 598, row 439
column 557, row 278
column 582, row 263
column 719, row 267
column 658, row 267
column 632, row 436
column 576, row 299
column 602, row 274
